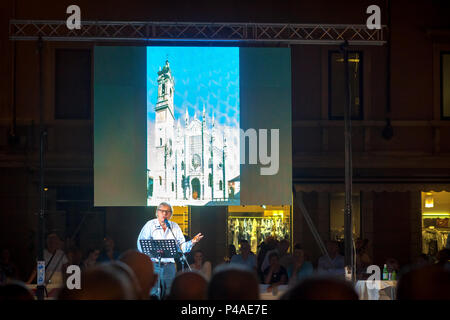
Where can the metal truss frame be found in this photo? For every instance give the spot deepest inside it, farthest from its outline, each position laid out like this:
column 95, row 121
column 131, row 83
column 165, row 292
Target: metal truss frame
column 124, row 31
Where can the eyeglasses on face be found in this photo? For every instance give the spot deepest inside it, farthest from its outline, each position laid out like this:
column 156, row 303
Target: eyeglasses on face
column 164, row 211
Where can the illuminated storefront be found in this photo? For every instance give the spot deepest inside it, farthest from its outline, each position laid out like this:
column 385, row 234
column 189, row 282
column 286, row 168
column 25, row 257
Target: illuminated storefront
column 435, row 221
column 257, row 223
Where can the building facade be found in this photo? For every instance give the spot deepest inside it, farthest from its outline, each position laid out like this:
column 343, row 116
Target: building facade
column 401, row 134
column 187, row 163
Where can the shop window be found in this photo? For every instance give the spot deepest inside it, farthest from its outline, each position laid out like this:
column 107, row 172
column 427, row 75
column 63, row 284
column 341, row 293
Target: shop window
column 445, row 85
column 256, row 223
column 435, row 221
column 337, row 205
column 72, row 84
column 337, row 86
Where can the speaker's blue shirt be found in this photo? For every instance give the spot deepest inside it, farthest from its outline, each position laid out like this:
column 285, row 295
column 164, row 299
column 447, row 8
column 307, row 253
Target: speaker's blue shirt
column 153, row 230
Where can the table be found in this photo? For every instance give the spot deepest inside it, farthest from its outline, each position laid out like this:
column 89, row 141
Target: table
column 52, row 290
column 274, row 294
column 376, row 289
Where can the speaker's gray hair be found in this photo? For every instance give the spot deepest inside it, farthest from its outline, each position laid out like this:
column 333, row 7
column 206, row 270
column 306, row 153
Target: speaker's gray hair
column 164, row 204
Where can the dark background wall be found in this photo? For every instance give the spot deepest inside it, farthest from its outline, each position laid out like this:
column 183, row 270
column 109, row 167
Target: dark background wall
column 392, row 231
column 418, row 150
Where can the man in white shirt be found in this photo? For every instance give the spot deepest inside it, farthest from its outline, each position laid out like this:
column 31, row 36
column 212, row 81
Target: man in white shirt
column 157, row 229
column 337, row 263
column 55, row 261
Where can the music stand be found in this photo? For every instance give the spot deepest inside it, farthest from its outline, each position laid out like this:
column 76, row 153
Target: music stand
column 157, row 249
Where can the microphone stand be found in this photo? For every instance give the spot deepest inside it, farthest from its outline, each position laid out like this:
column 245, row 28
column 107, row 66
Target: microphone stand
column 160, row 282
column 179, row 248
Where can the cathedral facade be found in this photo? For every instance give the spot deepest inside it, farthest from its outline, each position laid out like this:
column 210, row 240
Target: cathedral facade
column 188, row 161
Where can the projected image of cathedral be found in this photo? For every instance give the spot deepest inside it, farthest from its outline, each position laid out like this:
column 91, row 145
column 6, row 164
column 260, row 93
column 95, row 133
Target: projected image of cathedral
column 189, row 157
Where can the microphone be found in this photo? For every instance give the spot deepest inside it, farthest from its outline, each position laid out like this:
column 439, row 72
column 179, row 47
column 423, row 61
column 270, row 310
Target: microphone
column 167, row 224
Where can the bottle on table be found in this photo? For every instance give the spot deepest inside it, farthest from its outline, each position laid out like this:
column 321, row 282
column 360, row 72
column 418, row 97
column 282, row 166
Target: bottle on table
column 394, row 275
column 385, row 273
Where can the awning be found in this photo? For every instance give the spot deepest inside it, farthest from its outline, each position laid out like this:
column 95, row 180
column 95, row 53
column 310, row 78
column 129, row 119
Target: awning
column 374, row 187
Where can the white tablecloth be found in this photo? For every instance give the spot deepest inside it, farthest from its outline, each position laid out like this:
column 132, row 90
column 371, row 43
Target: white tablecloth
column 274, row 294
column 52, row 290
column 376, row 290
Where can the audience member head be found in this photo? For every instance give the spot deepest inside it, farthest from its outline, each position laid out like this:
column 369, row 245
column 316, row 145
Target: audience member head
column 189, row 285
column 430, row 282
column 283, row 246
column 274, row 259
column 128, row 274
column 15, row 290
column 392, row 265
column 298, row 253
column 231, row 251
column 244, row 248
column 108, row 243
column 103, row 282
column 233, row 282
column 321, row 288
column 142, row 266
column 53, row 242
column 92, row 254
column 199, row 257
column 271, row 243
column 74, row 255
column 332, row 248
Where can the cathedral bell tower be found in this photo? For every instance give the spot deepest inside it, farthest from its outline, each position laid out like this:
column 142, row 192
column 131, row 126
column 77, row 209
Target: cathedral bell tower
column 164, row 128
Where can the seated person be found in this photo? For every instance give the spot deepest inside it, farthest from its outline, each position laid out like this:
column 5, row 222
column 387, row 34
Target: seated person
column 109, row 253
column 337, row 263
column 275, row 273
column 300, row 268
column 282, row 248
column 392, row 265
column 246, row 257
column 230, row 254
column 200, row 265
column 55, row 260
column 91, row 258
column 362, row 258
